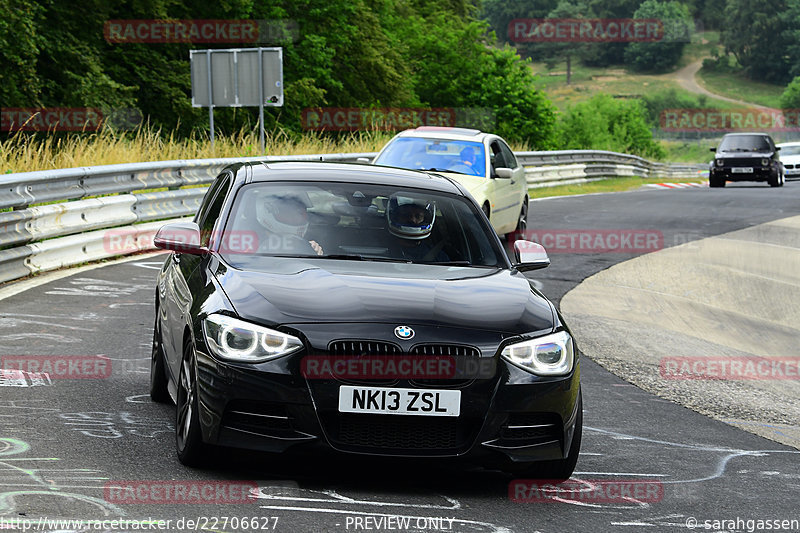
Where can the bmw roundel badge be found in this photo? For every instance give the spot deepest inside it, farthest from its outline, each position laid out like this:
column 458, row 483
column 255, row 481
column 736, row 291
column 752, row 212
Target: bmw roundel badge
column 404, row 332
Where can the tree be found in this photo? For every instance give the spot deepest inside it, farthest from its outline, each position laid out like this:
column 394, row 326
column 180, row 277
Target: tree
column 664, row 54
column 568, row 50
column 756, row 34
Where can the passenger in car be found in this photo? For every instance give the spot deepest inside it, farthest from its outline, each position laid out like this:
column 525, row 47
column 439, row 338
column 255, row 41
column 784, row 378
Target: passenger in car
column 284, row 217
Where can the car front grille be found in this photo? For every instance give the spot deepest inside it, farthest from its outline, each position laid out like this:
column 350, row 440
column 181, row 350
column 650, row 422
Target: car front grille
column 369, row 348
column 363, row 347
column 413, row 433
column 742, row 162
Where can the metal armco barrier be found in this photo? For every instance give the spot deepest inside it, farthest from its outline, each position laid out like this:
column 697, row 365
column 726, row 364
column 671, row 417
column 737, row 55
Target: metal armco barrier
column 81, row 227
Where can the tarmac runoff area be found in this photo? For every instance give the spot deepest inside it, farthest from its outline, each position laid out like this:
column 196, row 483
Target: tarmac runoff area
column 713, row 325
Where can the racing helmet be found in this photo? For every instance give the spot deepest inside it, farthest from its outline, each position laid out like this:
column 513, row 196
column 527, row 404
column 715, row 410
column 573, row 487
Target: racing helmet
column 410, row 218
column 283, row 213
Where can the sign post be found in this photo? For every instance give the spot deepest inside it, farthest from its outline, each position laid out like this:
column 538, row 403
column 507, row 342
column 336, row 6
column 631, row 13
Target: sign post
column 237, row 77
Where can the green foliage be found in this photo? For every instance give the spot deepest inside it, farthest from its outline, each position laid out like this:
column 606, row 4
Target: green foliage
column 758, row 34
column 663, row 55
column 656, row 103
column 604, row 123
column 347, row 53
column 790, row 99
column 454, row 64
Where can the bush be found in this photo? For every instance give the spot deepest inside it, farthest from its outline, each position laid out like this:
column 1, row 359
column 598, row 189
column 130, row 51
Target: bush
column 604, row 123
column 790, row 99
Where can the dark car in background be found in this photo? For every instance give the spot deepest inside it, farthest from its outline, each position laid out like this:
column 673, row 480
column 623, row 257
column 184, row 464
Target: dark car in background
column 746, row 157
column 290, row 305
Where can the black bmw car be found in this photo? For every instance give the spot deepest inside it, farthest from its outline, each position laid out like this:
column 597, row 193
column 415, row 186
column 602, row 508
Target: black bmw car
column 367, row 310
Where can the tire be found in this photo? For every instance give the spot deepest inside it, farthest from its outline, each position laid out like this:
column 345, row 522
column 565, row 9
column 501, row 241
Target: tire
column 558, row 470
column 192, row 451
column 716, row 182
column 522, row 224
column 774, row 181
column 158, row 374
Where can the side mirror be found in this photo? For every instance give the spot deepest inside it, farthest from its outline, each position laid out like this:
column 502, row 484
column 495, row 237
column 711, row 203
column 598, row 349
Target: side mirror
column 503, row 172
column 363, row 160
column 713, row 149
column 530, row 256
column 182, row 237
column 777, row 148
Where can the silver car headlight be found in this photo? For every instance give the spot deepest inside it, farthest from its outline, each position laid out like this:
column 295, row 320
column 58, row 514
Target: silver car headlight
column 237, row 340
column 551, row 355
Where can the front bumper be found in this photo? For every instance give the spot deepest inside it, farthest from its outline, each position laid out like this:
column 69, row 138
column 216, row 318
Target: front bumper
column 270, row 406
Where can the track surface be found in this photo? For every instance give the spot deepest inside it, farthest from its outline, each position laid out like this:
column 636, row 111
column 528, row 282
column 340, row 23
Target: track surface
column 62, row 442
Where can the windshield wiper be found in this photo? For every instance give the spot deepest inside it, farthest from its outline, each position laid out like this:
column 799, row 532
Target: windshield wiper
column 356, row 257
column 445, row 263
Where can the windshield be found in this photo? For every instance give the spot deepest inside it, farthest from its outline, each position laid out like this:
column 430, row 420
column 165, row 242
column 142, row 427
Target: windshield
column 790, row 150
column 463, row 157
column 357, row 222
column 745, row 143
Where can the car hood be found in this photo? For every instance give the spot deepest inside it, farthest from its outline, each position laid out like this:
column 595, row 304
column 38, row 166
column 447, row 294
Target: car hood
column 293, row 291
column 731, row 155
column 471, row 183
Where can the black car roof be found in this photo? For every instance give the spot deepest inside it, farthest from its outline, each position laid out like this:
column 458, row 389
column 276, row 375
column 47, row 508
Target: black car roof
column 352, row 173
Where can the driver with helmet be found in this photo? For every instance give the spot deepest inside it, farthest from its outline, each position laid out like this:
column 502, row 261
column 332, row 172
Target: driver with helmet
column 284, row 216
column 411, row 220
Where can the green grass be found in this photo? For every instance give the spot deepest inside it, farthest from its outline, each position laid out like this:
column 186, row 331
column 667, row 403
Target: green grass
column 607, row 185
column 698, row 151
column 616, row 81
column 735, row 85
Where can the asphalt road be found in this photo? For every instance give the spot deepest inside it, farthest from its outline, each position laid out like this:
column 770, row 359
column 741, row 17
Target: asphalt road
column 64, row 442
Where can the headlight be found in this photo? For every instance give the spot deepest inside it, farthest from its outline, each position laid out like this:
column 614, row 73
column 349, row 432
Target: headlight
column 551, row 355
column 765, row 162
column 237, row 340
column 718, row 162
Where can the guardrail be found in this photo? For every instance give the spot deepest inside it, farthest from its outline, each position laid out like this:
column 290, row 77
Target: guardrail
column 110, row 210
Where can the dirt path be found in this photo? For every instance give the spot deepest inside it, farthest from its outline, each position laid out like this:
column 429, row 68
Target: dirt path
column 686, row 77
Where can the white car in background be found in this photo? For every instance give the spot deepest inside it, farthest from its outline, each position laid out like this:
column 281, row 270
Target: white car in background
column 481, row 162
column 790, row 157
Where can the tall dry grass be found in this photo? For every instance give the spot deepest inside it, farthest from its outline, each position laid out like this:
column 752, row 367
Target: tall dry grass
column 23, row 152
